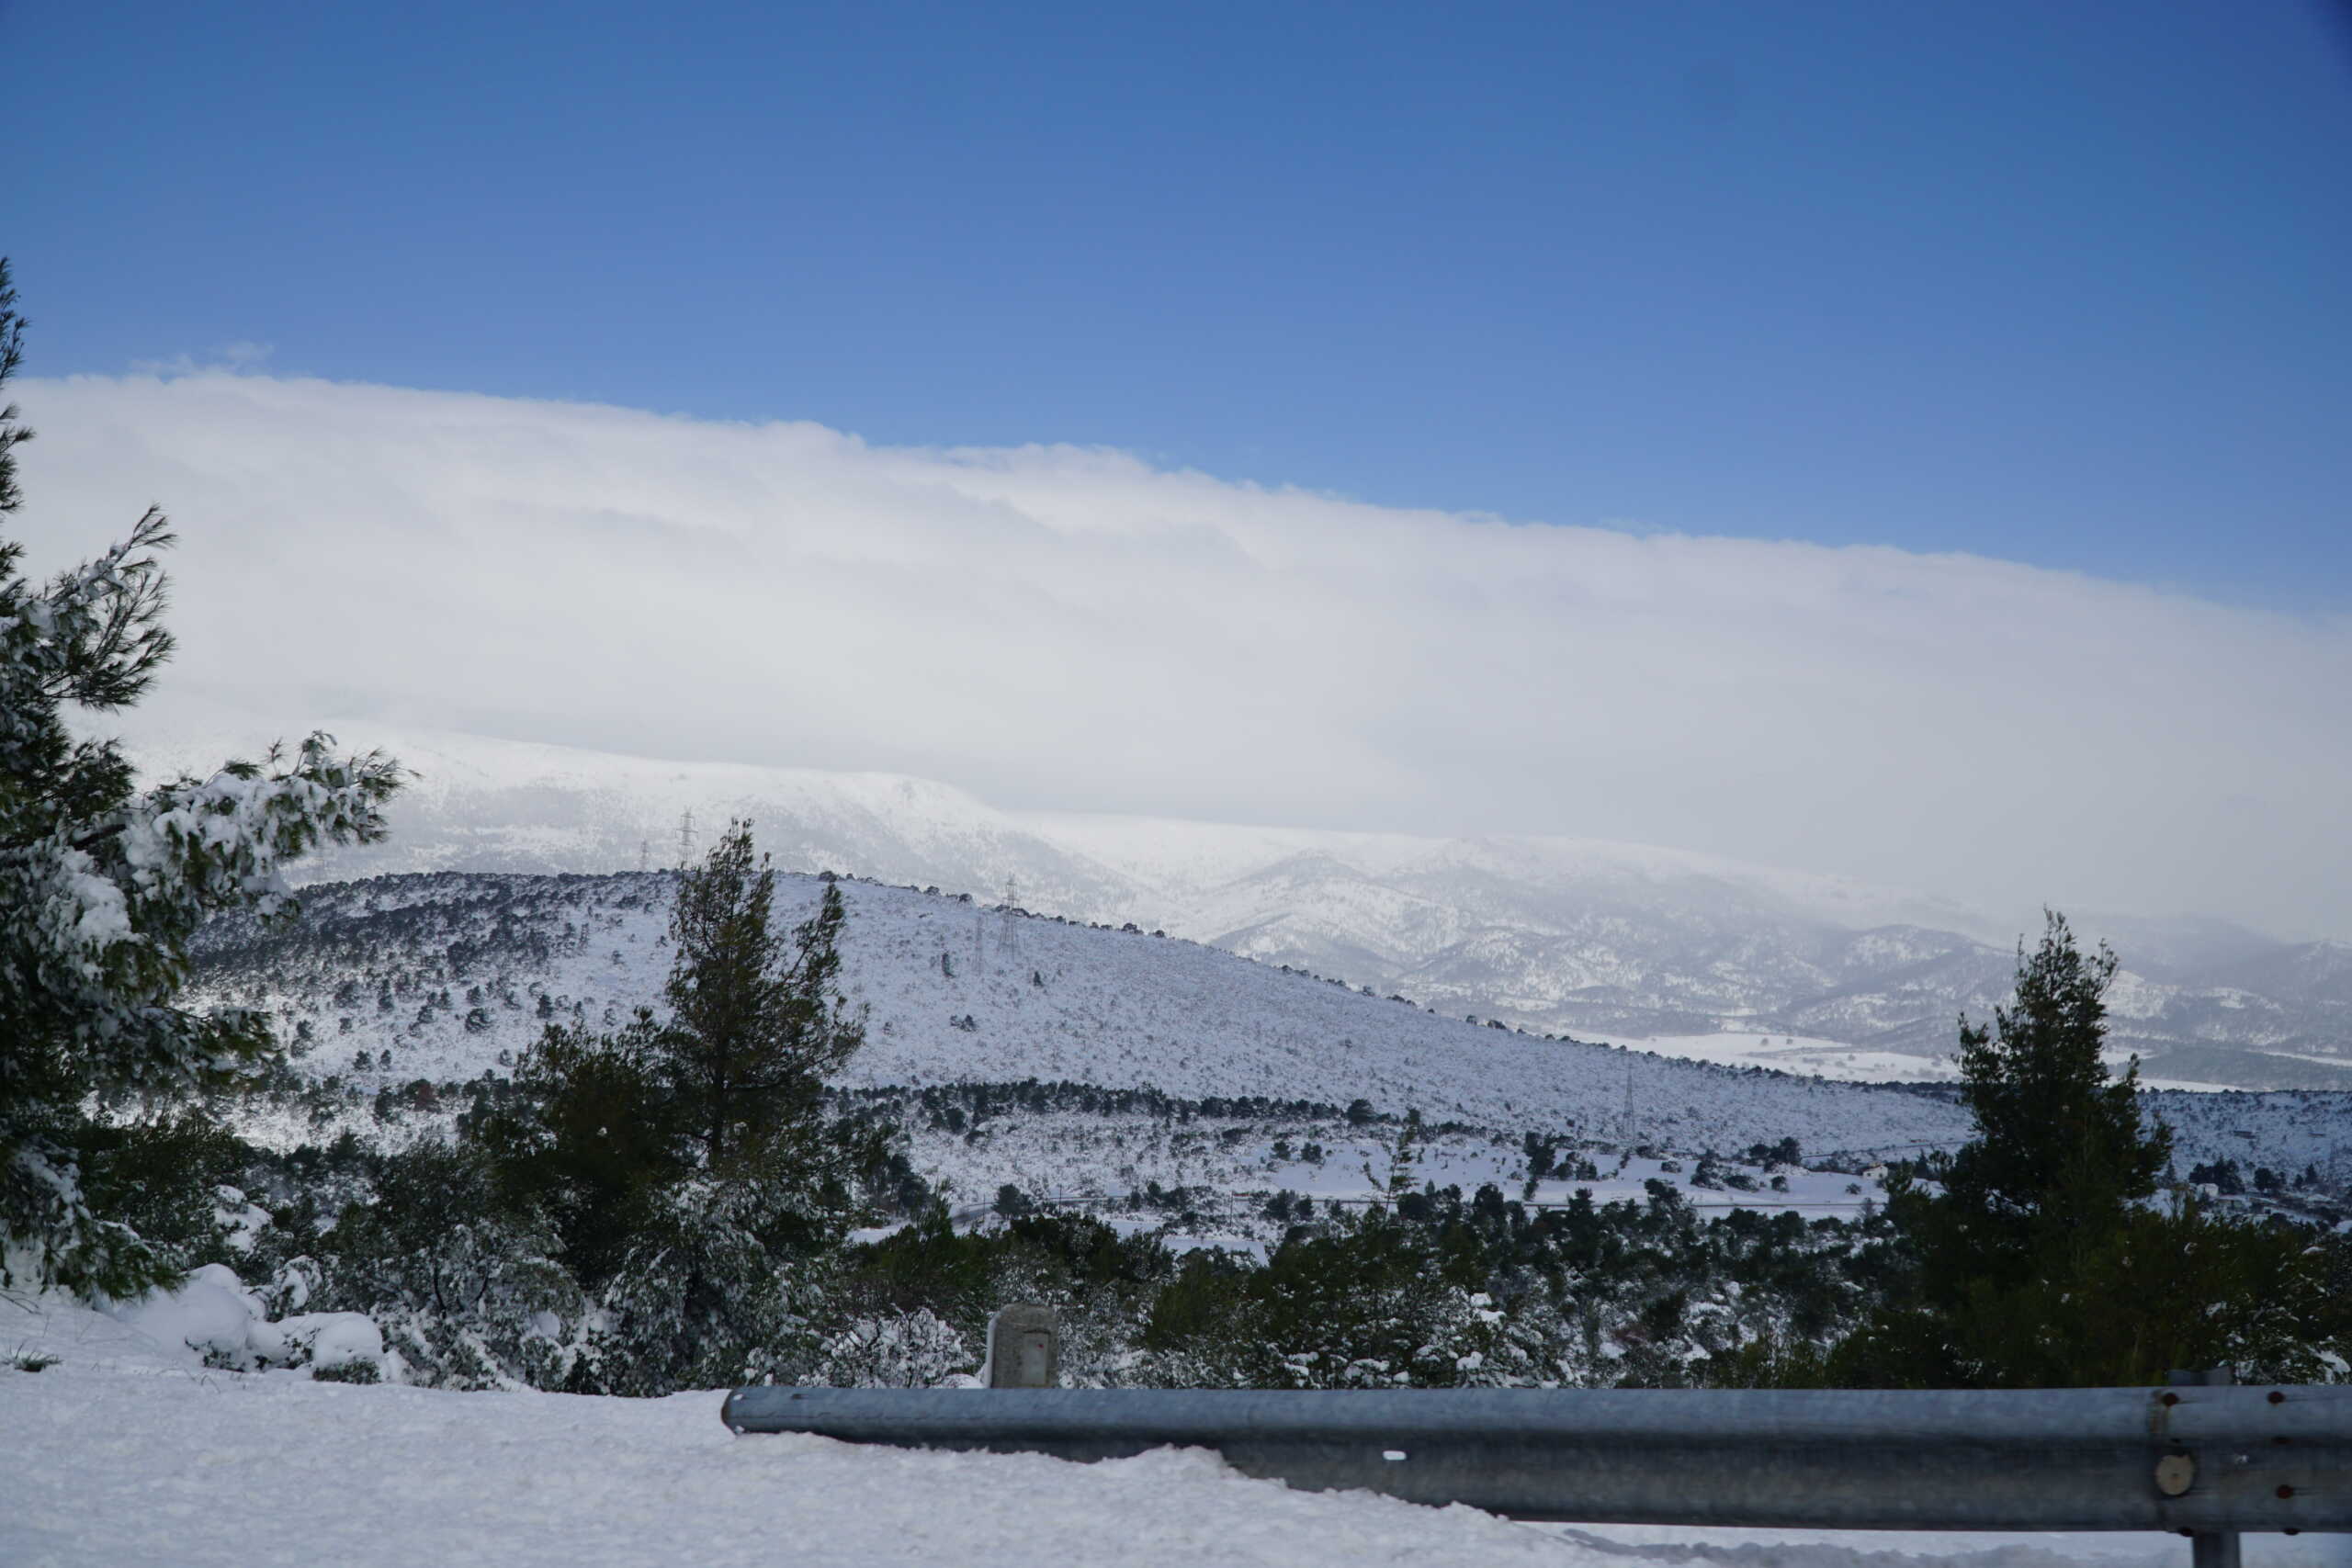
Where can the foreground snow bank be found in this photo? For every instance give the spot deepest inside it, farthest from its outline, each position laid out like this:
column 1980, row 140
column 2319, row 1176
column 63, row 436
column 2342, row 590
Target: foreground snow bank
column 126, row 1449
column 213, row 1314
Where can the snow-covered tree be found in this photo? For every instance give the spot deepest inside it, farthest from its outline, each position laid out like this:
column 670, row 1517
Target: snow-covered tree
column 903, row 1349
column 102, row 883
column 705, row 1298
column 468, row 1291
column 756, row 1023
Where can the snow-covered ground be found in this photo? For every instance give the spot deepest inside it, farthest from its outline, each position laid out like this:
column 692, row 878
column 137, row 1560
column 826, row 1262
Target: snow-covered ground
column 1093, row 1162
column 1802, row 1055
column 124, row 1450
column 1812, row 1058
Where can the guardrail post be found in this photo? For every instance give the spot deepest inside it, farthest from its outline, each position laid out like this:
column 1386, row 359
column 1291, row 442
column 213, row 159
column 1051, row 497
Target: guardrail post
column 2209, row 1548
column 1025, row 1351
column 2213, row 1548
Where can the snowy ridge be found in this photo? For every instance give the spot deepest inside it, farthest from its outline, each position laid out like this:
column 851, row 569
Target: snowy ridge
column 1185, row 859
column 1017, row 997
column 960, row 992
column 1557, row 935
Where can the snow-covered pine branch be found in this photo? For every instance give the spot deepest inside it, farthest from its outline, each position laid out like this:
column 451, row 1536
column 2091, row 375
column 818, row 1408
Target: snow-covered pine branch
column 101, row 910
column 98, row 916
column 102, row 885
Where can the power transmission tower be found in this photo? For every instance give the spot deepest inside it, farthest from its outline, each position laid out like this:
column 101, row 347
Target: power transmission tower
column 1008, row 946
column 686, row 837
column 644, row 856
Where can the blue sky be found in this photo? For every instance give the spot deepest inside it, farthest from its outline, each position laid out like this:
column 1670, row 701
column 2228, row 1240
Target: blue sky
column 2069, row 284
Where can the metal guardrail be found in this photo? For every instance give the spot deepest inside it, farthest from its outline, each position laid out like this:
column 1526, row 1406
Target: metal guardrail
column 2208, row 1460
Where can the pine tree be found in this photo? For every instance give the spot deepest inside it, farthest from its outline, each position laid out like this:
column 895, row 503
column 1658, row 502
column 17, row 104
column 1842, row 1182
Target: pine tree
column 2058, row 1146
column 705, row 1294
column 756, row 1025
column 102, row 885
column 688, row 1164
column 590, row 1139
column 2041, row 1262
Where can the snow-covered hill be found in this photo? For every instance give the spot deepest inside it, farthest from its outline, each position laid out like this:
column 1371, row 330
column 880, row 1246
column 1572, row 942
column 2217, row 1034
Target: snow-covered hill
column 441, row 976
column 1555, row 935
column 442, row 972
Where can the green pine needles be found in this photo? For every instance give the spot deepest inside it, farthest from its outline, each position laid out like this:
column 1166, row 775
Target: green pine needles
column 756, row 1025
column 103, row 883
column 2040, row 1255
column 2059, row 1146
column 686, row 1167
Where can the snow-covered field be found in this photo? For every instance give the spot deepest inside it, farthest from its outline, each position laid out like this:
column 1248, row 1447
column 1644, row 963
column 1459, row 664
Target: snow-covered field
column 122, row 1452
column 1802, row 1055
column 1093, row 1163
column 1812, row 1057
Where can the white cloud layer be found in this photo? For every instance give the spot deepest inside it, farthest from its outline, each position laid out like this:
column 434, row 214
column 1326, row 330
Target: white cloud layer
column 1055, row 628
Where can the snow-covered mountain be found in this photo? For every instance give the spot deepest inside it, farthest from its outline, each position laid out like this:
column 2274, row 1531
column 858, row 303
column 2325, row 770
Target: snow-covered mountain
column 1555, row 935
column 441, row 976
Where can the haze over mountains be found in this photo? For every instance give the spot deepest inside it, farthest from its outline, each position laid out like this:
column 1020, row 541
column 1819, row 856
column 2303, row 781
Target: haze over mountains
column 1557, row 935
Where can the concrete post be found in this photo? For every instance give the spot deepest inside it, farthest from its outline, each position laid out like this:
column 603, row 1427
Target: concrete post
column 1025, row 1347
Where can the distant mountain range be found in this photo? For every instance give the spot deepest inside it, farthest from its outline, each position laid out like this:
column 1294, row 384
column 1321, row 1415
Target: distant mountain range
column 1555, row 935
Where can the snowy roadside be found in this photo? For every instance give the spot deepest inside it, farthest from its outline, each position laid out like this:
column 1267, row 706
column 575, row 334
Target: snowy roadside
column 124, row 1452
